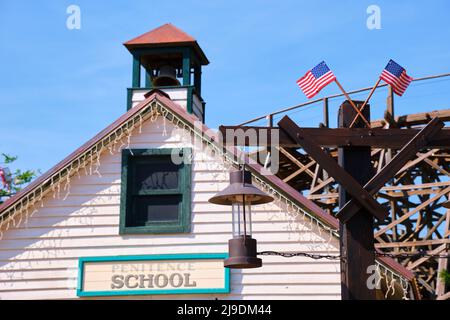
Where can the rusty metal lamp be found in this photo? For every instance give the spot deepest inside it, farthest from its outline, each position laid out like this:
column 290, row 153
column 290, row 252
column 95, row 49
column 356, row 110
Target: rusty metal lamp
column 241, row 194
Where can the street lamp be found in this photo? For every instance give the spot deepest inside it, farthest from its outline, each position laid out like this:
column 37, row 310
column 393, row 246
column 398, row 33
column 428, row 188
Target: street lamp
column 241, row 194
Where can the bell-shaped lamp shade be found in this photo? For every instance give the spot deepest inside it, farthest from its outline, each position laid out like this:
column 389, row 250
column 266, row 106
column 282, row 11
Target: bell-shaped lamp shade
column 241, row 194
column 241, row 185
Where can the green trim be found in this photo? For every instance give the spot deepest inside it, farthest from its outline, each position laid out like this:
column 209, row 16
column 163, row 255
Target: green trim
column 160, row 50
column 191, row 90
column 198, row 79
column 136, row 71
column 183, row 224
column 190, row 99
column 186, row 66
column 196, row 59
column 148, row 80
column 203, row 111
column 129, row 98
column 186, row 256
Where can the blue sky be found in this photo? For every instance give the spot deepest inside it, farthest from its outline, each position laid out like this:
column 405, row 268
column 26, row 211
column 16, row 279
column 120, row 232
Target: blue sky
column 59, row 87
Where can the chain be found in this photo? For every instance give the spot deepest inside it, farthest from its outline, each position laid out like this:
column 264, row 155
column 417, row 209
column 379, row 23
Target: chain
column 298, row 254
column 316, row 256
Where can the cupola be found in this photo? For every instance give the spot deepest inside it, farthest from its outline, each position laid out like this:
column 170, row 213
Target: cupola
column 171, row 61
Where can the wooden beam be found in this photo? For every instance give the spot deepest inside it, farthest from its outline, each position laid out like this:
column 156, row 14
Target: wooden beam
column 296, row 173
column 334, row 137
column 415, row 119
column 390, row 169
column 418, row 262
column 443, row 263
column 434, row 227
column 420, row 157
column 298, row 163
column 437, row 167
column 418, row 243
column 332, row 167
column 444, row 296
column 410, row 213
column 416, row 186
column 321, row 185
column 426, row 286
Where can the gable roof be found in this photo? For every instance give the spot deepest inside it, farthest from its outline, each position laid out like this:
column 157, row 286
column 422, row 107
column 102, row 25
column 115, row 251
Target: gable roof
column 166, row 35
column 157, row 96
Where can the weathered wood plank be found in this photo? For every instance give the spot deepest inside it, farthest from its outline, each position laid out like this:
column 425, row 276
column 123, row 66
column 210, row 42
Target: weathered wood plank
column 418, row 243
column 330, row 165
column 391, row 168
column 339, row 137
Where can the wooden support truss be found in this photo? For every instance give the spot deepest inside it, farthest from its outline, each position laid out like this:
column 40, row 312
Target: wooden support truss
column 417, row 221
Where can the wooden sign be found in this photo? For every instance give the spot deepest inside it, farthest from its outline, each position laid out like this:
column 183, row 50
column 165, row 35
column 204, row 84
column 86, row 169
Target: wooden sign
column 153, row 274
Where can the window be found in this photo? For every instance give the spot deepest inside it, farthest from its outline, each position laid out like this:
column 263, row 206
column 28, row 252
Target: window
column 155, row 191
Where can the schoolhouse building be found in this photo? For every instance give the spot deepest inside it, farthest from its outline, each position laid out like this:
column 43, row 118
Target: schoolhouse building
column 127, row 215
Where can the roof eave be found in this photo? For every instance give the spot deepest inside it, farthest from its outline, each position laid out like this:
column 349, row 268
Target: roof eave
column 197, row 49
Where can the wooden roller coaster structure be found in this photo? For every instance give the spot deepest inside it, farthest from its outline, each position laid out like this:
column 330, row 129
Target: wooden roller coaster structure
column 418, row 222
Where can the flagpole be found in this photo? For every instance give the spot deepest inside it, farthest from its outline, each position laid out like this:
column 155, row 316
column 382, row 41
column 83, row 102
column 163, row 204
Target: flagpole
column 352, row 103
column 365, row 102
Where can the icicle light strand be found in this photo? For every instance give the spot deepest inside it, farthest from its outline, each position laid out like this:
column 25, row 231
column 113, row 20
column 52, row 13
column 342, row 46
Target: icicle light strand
column 153, row 110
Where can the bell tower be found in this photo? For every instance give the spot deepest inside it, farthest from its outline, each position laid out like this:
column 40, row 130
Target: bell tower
column 169, row 59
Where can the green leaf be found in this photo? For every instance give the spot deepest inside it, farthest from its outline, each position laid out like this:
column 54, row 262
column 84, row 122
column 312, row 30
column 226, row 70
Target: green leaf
column 445, row 276
column 8, row 159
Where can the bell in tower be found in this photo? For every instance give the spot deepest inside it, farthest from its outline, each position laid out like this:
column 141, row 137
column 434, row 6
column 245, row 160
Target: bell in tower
column 167, row 77
column 171, row 61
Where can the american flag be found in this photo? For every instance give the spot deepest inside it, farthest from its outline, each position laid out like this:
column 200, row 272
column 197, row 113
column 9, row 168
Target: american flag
column 396, row 76
column 316, row 79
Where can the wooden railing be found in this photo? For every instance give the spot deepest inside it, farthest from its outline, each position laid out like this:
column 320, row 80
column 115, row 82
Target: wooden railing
column 325, row 103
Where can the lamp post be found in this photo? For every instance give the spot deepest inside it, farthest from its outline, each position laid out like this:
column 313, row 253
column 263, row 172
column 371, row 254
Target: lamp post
column 241, row 195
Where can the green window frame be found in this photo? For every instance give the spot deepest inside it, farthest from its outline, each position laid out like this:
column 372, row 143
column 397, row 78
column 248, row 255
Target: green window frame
column 130, row 193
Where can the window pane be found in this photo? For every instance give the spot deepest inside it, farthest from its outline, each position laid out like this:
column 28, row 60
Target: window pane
column 148, row 209
column 155, row 173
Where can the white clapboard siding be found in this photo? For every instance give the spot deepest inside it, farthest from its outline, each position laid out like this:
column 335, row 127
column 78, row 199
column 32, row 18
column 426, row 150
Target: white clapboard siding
column 103, row 241
column 51, row 232
column 39, row 257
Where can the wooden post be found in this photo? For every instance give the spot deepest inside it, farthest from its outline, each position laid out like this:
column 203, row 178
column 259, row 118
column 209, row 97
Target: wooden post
column 198, row 79
column 269, row 120
column 443, row 263
column 136, row 83
column 148, row 78
column 186, row 67
column 326, row 120
column 356, row 235
column 390, row 102
column 391, row 115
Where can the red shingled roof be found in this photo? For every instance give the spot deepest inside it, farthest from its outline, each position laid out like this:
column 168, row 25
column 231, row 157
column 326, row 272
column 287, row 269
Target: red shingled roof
column 166, row 35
